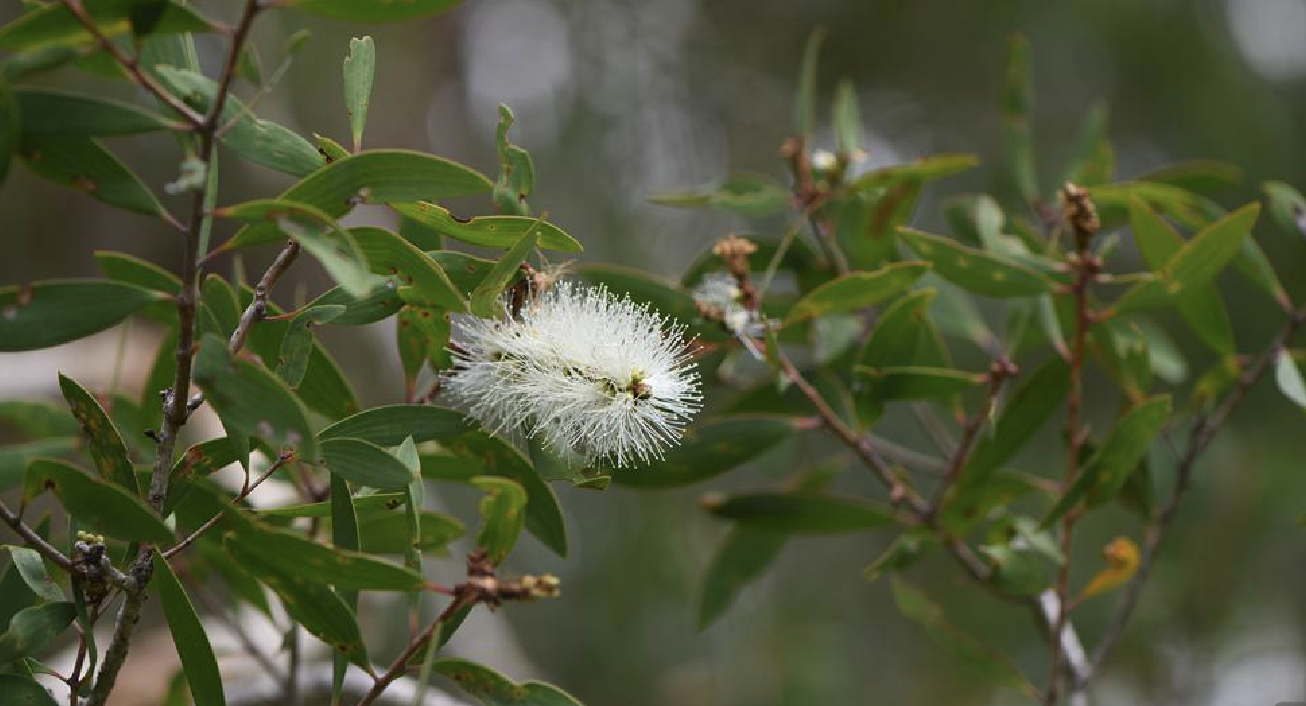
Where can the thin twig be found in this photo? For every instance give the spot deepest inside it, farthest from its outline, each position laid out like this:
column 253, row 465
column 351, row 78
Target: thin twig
column 258, row 307
column 400, row 665
column 999, row 372
column 1199, row 438
column 244, row 493
column 35, row 541
column 131, row 65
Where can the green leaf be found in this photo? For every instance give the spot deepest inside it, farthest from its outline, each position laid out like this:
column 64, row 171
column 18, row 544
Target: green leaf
column 742, row 557
column 54, row 25
column 52, row 111
column 1033, row 403
column 31, row 629
column 98, row 505
column 710, row 448
column 388, row 254
column 501, row 508
column 1287, row 206
column 344, row 535
column 309, row 600
column 1119, row 455
column 31, row 568
column 192, row 643
column 1201, row 176
column 324, row 388
column 485, row 298
column 906, row 550
column 1195, row 264
column 24, row 691
column 1288, row 377
column 298, row 342
column 1093, row 162
column 372, row 10
column 362, row 504
column 389, row 425
column 318, row 562
column 487, row 231
column 916, row 382
column 805, row 96
column 317, row 233
column 329, row 148
column 924, row 169
column 1020, row 571
column 857, row 290
column 106, row 447
column 744, row 193
column 1016, row 107
column 15, row 457
column 975, row 270
column 494, row 689
column 1189, row 209
column 847, row 119
column 129, row 269
column 895, row 340
column 802, row 513
column 389, row 533
column 364, row 463
column 360, row 70
column 9, row 124
column 972, row 653
column 1201, row 307
column 79, row 162
column 374, row 176
column 381, row 302
column 260, row 141
column 251, row 401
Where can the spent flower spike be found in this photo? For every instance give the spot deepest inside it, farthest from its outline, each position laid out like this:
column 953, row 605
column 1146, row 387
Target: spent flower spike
column 597, row 378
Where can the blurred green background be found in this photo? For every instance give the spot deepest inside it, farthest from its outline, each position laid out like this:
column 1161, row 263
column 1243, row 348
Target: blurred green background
column 617, row 100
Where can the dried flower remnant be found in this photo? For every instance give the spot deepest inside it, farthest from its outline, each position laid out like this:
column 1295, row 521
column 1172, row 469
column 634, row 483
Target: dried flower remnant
column 597, row 378
column 719, row 297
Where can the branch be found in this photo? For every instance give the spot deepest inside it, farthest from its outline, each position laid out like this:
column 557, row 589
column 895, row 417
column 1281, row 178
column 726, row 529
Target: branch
column 1200, row 437
column 999, row 372
column 132, row 66
column 400, row 665
column 258, row 308
column 176, row 407
column 35, row 541
column 244, row 493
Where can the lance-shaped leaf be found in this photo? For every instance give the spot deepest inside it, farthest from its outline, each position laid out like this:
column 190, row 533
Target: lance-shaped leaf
column 251, row 401
column 31, row 568
column 973, row 654
column 1017, row 102
column 1032, row 404
column 363, row 504
column 543, row 515
column 106, row 447
column 390, row 255
column 50, row 111
column 1119, row 455
column 364, row 463
column 487, row 231
column 9, row 123
column 924, row 169
column 916, row 382
column 975, row 270
column 485, row 298
column 302, row 557
column 742, row 557
column 317, row 233
column 375, row 176
column 129, row 269
column 389, row 533
column 360, row 70
column 801, row 513
column 308, row 599
column 99, row 505
column 710, row 448
column 260, row 141
column 380, row 302
column 501, row 509
column 189, row 637
column 297, row 345
column 494, row 689
column 54, row 25
column 1200, row 306
column 372, row 10
column 389, row 425
column 857, row 290
column 31, row 629
column 79, row 162
column 324, row 388
column 744, row 193
column 1195, row 264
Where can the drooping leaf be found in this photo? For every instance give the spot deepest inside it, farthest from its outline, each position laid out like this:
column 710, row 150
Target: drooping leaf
column 189, row 637
column 317, row 233
column 487, row 231
column 105, row 445
column 98, row 505
column 501, row 508
column 388, row 425
column 364, row 463
column 251, row 401
column 374, row 176
column 975, row 270
column 742, row 557
column 857, row 290
column 31, row 629
column 318, row 562
column 54, row 25
column 360, row 70
column 711, row 447
column 53, row 111
column 31, row 568
column 389, row 255
column 129, row 269
column 79, row 162
column 802, row 513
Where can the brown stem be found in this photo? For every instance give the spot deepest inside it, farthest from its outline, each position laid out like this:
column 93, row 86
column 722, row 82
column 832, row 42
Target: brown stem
column 400, row 665
column 999, row 373
column 75, row 679
column 176, row 405
column 244, row 493
column 1198, row 439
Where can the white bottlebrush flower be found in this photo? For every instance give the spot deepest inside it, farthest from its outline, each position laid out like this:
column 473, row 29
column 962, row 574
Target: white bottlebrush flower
column 719, row 294
column 594, row 376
